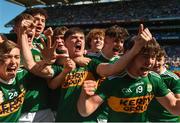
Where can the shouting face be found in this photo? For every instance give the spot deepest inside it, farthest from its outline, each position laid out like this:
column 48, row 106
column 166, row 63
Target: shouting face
column 75, row 44
column 113, row 46
column 9, row 64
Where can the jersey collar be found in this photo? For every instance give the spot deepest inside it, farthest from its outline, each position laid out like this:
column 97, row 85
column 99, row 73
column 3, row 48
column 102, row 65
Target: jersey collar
column 109, row 59
column 10, row 82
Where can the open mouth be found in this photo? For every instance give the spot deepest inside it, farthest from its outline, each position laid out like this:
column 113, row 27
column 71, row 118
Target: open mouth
column 30, row 36
column 78, row 46
column 11, row 69
column 116, row 50
column 38, row 28
column 60, row 51
column 98, row 43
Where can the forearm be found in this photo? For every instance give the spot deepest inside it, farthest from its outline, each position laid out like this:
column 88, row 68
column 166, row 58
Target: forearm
column 111, row 69
column 175, row 109
column 171, row 103
column 82, row 106
column 88, row 104
column 26, row 52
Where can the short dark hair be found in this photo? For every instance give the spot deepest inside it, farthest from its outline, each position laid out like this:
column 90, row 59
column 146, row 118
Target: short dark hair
column 72, row 31
column 117, row 32
column 35, row 11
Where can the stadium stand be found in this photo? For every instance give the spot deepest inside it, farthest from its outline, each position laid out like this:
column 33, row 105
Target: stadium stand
column 161, row 16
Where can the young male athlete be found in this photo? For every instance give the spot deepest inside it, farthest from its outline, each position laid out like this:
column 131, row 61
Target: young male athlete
column 40, row 16
column 36, row 99
column 156, row 112
column 12, row 90
column 114, row 40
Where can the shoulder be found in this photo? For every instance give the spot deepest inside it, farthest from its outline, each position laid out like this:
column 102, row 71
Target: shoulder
column 154, row 75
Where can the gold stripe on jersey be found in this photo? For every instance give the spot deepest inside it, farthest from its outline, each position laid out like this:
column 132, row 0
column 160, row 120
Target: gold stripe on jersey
column 130, row 105
column 77, row 78
column 6, row 108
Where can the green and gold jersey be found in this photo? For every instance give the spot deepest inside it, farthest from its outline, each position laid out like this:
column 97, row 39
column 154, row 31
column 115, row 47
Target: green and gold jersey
column 12, row 96
column 157, row 113
column 70, row 91
column 129, row 97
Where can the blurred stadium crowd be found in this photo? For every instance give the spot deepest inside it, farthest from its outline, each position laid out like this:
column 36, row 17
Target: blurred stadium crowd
column 126, row 12
column 116, row 11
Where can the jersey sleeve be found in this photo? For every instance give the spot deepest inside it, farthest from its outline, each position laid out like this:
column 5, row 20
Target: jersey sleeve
column 104, row 89
column 92, row 66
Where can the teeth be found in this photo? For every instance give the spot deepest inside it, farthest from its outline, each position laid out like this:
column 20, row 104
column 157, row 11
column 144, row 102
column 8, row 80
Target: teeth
column 98, row 44
column 78, row 45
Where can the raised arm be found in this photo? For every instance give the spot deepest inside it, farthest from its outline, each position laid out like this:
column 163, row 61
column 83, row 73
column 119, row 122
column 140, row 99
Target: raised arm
column 88, row 101
column 39, row 68
column 171, row 102
column 105, row 69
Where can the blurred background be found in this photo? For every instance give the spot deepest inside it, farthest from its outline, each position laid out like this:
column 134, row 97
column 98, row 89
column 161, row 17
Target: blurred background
column 162, row 17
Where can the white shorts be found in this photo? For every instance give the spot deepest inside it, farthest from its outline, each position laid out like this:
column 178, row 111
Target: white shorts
column 45, row 115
